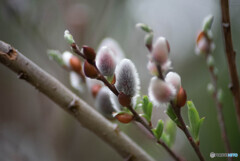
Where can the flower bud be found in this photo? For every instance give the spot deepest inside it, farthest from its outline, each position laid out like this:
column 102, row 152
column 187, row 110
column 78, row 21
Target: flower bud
column 160, row 50
column 95, row 89
column 89, row 70
column 210, row 61
column 103, row 102
column 174, row 79
column 127, row 80
column 124, row 118
column 114, row 46
column 203, row 43
column 160, row 91
column 75, row 64
column 89, row 53
column 124, row 99
column 210, row 88
column 105, row 61
column 181, row 98
column 68, row 37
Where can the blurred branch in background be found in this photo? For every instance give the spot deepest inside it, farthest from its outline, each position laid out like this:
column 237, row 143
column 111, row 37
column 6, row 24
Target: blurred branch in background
column 72, row 104
column 231, row 57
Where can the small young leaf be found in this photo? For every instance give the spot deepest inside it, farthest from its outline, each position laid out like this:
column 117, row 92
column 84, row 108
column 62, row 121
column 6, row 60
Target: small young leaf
column 147, row 108
column 165, row 138
column 158, row 130
column 144, row 27
column 56, row 56
column 194, row 120
column 207, row 23
column 170, row 130
column 172, row 115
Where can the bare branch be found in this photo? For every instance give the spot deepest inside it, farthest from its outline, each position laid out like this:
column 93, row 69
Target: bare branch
column 71, row 103
column 230, row 54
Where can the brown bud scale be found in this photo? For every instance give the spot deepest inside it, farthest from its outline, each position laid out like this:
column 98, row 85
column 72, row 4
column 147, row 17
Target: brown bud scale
column 89, row 70
column 75, row 64
column 124, row 99
column 89, row 53
column 181, row 97
column 124, row 118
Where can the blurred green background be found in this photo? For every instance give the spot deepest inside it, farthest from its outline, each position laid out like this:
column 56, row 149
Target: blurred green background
column 33, row 128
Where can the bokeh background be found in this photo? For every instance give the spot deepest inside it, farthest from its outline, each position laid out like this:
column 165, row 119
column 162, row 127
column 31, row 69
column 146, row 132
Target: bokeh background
column 32, row 127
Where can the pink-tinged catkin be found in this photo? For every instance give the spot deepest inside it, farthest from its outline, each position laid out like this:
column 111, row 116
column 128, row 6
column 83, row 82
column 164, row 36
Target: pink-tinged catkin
column 103, row 102
column 127, row 79
column 160, row 50
column 160, row 92
column 174, row 79
column 114, row 46
column 105, row 61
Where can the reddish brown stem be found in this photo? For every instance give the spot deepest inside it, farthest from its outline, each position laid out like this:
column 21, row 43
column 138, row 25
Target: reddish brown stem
column 230, row 54
column 182, row 123
column 183, row 127
column 219, row 111
column 137, row 118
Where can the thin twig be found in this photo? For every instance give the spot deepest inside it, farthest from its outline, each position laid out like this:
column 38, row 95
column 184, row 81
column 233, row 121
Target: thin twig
column 183, row 127
column 231, row 55
column 71, row 103
column 136, row 116
column 219, row 111
column 179, row 116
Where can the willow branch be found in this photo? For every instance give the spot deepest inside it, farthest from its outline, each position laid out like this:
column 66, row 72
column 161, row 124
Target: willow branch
column 136, row 116
column 183, row 127
column 230, row 54
column 219, row 107
column 71, row 103
column 179, row 116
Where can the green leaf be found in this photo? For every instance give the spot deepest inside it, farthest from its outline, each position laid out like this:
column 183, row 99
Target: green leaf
column 149, row 39
column 158, row 130
column 207, row 23
column 144, row 27
column 194, row 120
column 170, row 112
column 56, row 56
column 147, row 108
column 170, row 130
column 68, row 37
column 165, row 138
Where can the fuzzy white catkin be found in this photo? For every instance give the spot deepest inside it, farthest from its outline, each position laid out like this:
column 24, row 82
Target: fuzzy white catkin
column 160, row 92
column 114, row 46
column 174, row 79
column 66, row 56
column 103, row 102
column 127, row 79
column 76, row 82
column 160, row 50
column 105, row 61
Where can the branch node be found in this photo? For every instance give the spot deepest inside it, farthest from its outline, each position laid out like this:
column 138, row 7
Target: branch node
column 230, row 86
column 73, row 105
column 22, row 75
column 226, row 25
